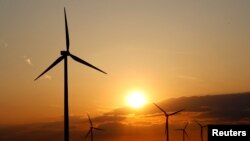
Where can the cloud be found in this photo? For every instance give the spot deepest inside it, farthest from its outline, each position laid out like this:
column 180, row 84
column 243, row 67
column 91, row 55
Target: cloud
column 148, row 124
column 49, row 131
column 46, row 76
column 29, row 132
column 233, row 107
column 109, row 118
column 27, row 60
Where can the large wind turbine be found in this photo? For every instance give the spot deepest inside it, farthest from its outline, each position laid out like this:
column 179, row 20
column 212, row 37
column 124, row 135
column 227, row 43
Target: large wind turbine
column 167, row 116
column 184, row 133
column 91, row 128
column 201, row 131
column 64, row 55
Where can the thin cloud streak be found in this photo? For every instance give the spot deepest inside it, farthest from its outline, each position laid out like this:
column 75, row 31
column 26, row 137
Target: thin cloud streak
column 27, row 60
column 46, row 76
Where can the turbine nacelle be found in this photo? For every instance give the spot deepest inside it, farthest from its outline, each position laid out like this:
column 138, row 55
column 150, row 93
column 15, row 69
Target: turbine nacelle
column 184, row 133
column 167, row 115
column 64, row 53
column 91, row 129
column 201, row 129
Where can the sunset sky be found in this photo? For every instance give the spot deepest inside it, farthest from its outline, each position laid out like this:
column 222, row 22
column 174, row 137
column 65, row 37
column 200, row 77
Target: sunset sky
column 162, row 48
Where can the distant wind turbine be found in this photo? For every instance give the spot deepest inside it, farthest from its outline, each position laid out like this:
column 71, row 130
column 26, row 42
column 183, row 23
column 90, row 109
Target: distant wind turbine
column 201, row 131
column 91, row 128
column 167, row 116
column 64, row 55
column 184, row 133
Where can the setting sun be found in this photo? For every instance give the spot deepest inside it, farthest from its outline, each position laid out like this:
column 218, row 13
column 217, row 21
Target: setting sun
column 136, row 99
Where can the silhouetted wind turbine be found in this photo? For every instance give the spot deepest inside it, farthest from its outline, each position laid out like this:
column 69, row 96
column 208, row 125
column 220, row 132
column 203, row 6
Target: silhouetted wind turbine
column 64, row 55
column 201, row 131
column 91, row 128
column 167, row 115
column 184, row 131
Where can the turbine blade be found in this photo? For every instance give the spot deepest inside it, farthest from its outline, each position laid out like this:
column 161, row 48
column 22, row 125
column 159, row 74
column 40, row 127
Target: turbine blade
column 198, row 123
column 186, row 126
column 176, row 112
column 185, row 133
column 90, row 121
column 160, row 109
column 86, row 63
column 51, row 66
column 66, row 30
column 99, row 129
column 87, row 134
column 204, row 126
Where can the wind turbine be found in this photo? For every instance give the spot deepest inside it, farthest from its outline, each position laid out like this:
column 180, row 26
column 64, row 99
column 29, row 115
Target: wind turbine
column 64, row 55
column 184, row 131
column 91, row 128
column 167, row 116
column 201, row 131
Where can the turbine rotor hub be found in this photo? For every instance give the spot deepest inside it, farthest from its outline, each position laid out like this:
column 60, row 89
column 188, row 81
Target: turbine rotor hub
column 64, row 52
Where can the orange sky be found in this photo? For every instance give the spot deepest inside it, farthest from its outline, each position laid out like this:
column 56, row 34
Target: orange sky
column 167, row 49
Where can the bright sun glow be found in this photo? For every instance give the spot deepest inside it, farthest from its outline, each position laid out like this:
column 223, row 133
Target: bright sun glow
column 136, row 99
